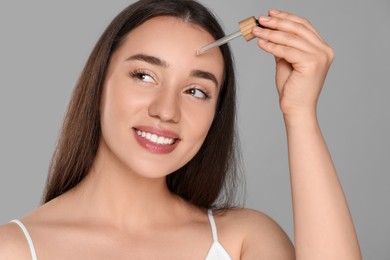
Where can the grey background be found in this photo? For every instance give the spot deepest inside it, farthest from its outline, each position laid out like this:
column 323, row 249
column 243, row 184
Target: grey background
column 44, row 45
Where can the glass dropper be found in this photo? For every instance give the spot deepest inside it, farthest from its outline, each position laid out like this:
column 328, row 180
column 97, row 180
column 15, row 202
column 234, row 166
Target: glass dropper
column 245, row 31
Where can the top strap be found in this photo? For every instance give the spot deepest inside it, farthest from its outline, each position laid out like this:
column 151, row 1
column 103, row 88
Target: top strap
column 28, row 237
column 213, row 226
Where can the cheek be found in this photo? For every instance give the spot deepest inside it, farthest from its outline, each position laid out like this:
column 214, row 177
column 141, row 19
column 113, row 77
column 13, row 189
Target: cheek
column 120, row 102
column 199, row 128
column 200, row 122
column 113, row 107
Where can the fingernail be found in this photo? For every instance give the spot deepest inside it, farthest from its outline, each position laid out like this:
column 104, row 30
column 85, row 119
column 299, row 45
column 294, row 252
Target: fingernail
column 274, row 11
column 264, row 18
column 257, row 29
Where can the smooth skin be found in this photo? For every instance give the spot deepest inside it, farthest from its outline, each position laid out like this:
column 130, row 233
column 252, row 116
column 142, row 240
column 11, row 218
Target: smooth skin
column 129, row 213
column 322, row 221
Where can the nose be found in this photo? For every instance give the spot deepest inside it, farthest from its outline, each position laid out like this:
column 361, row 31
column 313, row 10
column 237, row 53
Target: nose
column 165, row 106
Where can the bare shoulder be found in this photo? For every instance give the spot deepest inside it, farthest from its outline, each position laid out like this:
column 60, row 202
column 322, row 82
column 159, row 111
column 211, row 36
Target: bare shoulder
column 13, row 244
column 262, row 237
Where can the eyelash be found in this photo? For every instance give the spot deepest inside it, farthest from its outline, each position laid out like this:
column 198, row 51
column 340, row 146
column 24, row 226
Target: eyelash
column 190, row 91
column 140, row 74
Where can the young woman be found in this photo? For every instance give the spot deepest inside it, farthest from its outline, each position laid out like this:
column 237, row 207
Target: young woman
column 145, row 164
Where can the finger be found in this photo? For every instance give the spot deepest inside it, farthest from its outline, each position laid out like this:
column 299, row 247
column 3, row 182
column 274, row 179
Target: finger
column 284, row 38
column 290, row 54
column 294, row 18
column 292, row 27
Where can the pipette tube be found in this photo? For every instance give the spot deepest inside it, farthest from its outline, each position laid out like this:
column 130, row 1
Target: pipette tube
column 245, row 31
column 219, row 42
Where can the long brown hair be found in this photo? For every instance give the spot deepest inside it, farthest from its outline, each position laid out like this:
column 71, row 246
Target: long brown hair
column 210, row 178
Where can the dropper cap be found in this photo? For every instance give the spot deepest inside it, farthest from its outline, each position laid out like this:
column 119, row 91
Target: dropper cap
column 246, row 27
column 245, row 31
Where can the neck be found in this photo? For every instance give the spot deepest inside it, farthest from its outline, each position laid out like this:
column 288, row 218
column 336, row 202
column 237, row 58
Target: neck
column 124, row 198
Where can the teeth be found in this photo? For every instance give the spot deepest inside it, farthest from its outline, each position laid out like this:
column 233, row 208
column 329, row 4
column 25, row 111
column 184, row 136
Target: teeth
column 155, row 138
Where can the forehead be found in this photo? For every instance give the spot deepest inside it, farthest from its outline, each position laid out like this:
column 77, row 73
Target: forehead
column 174, row 41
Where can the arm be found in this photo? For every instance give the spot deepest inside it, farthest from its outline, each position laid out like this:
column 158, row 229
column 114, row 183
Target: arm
column 13, row 244
column 322, row 222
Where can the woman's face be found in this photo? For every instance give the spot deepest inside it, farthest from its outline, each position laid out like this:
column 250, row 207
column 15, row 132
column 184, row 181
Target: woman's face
column 159, row 98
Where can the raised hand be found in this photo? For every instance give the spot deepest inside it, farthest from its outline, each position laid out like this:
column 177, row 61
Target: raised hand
column 302, row 59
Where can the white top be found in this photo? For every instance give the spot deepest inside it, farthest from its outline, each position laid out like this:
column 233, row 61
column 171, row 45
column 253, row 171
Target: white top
column 28, row 237
column 216, row 252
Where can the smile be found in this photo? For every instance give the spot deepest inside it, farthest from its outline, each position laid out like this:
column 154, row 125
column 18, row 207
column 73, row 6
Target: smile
column 155, row 138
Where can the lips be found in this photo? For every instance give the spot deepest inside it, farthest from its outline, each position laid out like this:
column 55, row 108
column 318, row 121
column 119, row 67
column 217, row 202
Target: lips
column 156, row 140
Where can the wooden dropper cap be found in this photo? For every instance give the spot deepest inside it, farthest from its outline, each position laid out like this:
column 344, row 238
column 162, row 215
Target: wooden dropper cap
column 246, row 27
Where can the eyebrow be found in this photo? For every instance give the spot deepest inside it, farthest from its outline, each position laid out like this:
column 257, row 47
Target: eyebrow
column 149, row 59
column 161, row 63
column 205, row 75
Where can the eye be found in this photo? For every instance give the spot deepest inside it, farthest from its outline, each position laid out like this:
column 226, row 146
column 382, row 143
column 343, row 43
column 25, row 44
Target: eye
column 142, row 76
column 198, row 93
